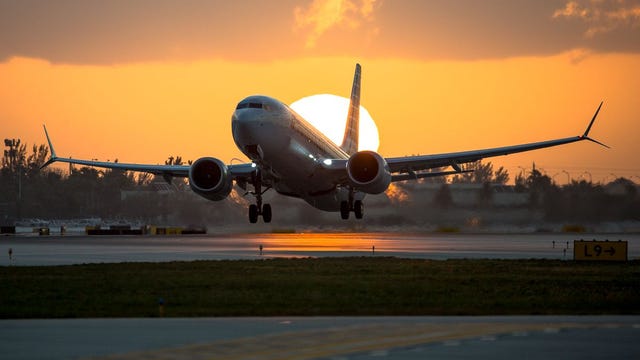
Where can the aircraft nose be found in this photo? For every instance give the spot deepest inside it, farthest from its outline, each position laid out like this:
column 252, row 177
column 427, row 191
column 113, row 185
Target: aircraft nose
column 243, row 126
column 244, row 115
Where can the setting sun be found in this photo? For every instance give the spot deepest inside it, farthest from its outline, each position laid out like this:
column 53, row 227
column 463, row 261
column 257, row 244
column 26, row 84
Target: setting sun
column 328, row 113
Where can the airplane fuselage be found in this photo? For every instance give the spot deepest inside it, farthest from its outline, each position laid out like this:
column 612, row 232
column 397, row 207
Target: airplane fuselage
column 288, row 150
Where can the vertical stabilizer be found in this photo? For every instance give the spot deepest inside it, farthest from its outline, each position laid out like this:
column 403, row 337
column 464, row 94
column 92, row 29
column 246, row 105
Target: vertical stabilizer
column 350, row 140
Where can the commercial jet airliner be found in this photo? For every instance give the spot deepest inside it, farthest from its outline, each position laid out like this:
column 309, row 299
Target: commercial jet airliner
column 293, row 158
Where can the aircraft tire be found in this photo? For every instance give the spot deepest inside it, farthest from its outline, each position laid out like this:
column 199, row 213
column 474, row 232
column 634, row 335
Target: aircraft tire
column 358, row 209
column 344, row 210
column 266, row 213
column 253, row 213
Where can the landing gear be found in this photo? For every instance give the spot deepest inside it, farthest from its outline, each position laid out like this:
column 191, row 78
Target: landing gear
column 253, row 213
column 358, row 209
column 352, row 205
column 266, row 213
column 344, row 210
column 257, row 209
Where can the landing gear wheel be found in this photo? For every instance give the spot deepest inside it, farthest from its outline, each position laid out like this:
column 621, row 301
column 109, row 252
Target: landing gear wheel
column 358, row 209
column 253, row 213
column 344, row 210
column 266, row 213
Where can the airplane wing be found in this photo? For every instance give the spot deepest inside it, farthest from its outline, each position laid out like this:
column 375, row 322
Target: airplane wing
column 413, row 167
column 409, row 167
column 167, row 171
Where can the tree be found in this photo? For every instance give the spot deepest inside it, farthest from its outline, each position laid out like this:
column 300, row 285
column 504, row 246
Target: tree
column 538, row 184
column 481, row 173
column 501, row 176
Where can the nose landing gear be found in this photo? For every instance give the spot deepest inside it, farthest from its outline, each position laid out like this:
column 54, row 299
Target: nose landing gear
column 258, row 209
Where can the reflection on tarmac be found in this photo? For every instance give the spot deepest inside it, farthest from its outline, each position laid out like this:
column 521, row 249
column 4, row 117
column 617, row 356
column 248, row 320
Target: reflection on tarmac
column 61, row 250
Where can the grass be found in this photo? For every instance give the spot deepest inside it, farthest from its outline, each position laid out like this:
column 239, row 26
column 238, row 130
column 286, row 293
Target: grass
column 323, row 286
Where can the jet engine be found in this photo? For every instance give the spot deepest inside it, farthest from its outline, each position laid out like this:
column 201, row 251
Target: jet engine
column 209, row 178
column 368, row 172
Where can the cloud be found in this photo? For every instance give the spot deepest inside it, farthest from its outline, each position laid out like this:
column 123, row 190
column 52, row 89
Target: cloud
column 121, row 32
column 322, row 15
column 602, row 16
column 576, row 56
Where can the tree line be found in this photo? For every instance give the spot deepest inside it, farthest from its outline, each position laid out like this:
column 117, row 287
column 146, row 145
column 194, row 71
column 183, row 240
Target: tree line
column 576, row 201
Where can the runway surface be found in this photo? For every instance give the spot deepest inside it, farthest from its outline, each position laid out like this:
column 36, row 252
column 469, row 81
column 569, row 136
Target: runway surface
column 77, row 249
column 565, row 337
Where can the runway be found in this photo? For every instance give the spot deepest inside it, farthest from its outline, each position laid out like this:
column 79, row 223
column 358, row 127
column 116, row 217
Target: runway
column 566, row 337
column 570, row 337
column 78, row 249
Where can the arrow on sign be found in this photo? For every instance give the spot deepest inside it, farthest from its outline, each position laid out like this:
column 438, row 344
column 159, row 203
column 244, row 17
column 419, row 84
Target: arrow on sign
column 611, row 251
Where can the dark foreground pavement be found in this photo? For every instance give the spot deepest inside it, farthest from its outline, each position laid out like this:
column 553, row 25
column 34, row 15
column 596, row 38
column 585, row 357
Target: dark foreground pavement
column 530, row 337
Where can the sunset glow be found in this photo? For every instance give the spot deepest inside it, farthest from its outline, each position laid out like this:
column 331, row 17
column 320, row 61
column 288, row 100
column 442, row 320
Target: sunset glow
column 328, row 113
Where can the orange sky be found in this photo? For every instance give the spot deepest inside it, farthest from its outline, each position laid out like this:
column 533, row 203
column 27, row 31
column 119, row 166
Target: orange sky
column 143, row 94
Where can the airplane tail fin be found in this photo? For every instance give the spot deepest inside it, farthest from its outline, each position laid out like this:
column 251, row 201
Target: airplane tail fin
column 351, row 131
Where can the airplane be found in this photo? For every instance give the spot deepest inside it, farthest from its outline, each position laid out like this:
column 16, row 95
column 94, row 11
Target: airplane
column 293, row 158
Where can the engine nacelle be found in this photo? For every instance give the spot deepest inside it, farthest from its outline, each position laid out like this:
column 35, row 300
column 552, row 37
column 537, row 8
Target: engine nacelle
column 209, row 178
column 368, row 172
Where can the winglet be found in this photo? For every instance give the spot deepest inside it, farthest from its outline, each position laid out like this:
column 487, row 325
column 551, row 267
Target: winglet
column 586, row 132
column 53, row 157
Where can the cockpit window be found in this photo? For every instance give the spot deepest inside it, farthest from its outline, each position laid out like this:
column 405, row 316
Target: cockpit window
column 251, row 105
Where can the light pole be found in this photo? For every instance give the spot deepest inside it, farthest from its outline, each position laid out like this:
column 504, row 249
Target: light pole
column 568, row 176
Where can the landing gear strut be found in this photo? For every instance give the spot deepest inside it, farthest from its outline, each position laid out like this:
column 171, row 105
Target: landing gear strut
column 352, row 205
column 258, row 209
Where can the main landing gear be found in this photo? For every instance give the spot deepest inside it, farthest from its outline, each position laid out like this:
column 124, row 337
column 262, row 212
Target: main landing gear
column 258, row 209
column 347, row 207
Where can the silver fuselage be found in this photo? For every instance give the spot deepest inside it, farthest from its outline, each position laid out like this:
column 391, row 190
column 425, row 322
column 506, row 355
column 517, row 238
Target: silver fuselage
column 289, row 150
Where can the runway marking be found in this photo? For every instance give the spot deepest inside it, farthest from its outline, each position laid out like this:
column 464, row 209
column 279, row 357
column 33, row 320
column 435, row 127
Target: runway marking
column 336, row 342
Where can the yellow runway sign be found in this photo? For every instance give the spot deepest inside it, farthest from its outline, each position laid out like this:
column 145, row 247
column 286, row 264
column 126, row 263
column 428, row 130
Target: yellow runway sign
column 600, row 250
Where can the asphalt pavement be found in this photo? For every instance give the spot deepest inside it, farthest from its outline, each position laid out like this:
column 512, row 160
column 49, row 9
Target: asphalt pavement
column 528, row 337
